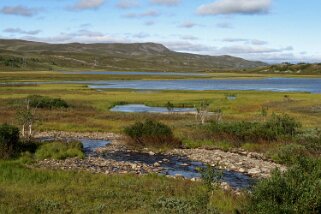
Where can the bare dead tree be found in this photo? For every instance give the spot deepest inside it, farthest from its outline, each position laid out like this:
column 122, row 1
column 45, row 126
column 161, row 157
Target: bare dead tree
column 170, row 107
column 218, row 113
column 202, row 113
column 26, row 118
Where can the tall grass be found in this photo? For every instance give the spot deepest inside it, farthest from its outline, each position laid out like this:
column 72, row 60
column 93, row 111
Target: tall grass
column 60, row 151
column 24, row 190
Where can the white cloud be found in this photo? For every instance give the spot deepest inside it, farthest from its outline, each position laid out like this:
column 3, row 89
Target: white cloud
column 234, row 40
column 224, row 25
column 126, row 4
column 149, row 23
column 186, row 46
column 166, row 2
column 81, row 37
column 20, row 31
column 87, row 5
column 149, row 13
column 140, row 35
column 188, row 24
column 19, row 11
column 235, row 7
column 189, row 37
column 258, row 42
column 246, row 49
column 255, row 42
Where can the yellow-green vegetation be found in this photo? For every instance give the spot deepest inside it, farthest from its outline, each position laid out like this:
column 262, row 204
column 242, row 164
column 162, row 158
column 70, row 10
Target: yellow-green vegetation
column 89, row 110
column 52, row 76
column 60, row 151
column 25, row 190
column 91, row 107
column 28, row 190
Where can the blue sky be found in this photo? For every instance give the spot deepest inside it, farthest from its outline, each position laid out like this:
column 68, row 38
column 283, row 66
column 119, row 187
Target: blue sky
column 266, row 30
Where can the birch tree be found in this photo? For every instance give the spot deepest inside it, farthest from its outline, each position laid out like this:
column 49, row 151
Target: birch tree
column 202, row 113
column 26, row 118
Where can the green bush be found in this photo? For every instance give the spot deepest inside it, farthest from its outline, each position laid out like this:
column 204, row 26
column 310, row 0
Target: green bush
column 282, row 125
column 60, row 151
column 313, row 145
column 289, row 154
column 9, row 140
column 171, row 205
column 311, row 139
column 151, row 133
column 296, row 191
column 37, row 101
column 211, row 176
column 276, row 128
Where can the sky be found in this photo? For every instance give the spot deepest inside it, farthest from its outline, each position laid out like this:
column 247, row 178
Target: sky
column 272, row 31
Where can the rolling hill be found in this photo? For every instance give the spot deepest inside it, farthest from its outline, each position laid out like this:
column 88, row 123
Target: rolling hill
column 27, row 55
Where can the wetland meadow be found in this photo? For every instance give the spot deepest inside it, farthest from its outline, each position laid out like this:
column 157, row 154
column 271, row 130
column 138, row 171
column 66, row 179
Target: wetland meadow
column 237, row 138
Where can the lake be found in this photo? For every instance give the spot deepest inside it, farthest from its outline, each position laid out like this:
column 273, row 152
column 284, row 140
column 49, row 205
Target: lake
column 312, row 85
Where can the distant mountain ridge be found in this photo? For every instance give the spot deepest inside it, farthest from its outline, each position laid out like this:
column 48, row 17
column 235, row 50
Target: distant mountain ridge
column 27, row 55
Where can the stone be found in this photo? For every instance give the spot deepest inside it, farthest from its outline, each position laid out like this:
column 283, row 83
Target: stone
column 156, row 164
column 241, row 170
column 254, row 171
column 151, row 153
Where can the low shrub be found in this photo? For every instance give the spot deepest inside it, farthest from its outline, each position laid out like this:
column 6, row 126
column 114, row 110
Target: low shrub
column 282, row 125
column 276, row 128
column 173, row 205
column 60, row 151
column 311, row 140
column 9, row 141
column 298, row 190
column 38, row 101
column 289, row 154
column 313, row 145
column 29, row 146
column 151, row 133
column 212, row 177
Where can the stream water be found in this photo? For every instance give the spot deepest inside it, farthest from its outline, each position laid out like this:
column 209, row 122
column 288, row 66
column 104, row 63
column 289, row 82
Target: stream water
column 172, row 165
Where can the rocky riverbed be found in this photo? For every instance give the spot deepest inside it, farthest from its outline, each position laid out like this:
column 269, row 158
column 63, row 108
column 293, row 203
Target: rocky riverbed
column 116, row 158
column 60, row 135
column 253, row 164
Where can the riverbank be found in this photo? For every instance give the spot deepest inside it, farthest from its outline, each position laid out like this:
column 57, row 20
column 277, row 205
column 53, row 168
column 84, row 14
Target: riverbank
column 118, row 158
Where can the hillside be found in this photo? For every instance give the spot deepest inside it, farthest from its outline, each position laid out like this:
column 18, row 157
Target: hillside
column 26, row 55
column 287, row 68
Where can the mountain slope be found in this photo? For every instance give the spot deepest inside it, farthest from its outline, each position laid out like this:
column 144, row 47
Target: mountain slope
column 26, row 55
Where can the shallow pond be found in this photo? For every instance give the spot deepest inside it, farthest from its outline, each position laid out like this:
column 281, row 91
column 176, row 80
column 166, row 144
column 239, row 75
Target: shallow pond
column 139, row 108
